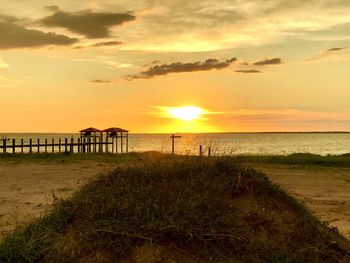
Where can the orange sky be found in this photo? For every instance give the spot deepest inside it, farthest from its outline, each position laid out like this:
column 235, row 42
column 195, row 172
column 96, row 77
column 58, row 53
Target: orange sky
column 251, row 65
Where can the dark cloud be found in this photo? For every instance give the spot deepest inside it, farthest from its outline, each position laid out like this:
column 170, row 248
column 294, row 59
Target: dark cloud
column 179, row 67
column 87, row 23
column 101, row 81
column 52, row 8
column 101, row 44
column 107, row 44
column 9, row 19
column 335, row 49
column 248, row 71
column 16, row 36
column 268, row 61
column 326, row 53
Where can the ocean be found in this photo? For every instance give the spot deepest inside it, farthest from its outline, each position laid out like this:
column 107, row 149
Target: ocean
column 223, row 143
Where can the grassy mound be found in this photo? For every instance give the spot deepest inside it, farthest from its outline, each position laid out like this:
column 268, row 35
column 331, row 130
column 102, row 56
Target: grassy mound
column 181, row 209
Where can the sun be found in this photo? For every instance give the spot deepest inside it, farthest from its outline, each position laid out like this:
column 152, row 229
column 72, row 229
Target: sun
column 186, row 113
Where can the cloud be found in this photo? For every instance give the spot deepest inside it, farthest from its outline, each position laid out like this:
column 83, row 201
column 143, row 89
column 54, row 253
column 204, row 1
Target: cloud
column 335, row 49
column 87, row 23
column 101, row 44
column 101, row 81
column 180, row 67
column 107, row 44
column 52, row 8
column 268, row 61
column 211, row 23
column 326, row 53
column 16, row 36
column 248, row 71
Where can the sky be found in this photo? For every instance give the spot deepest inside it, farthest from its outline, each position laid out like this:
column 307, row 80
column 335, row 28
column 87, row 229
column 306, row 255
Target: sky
column 249, row 65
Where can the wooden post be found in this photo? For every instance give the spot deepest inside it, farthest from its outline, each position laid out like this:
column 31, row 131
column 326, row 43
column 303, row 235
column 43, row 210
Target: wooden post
column 173, row 137
column 112, row 144
column 78, row 145
column 121, row 142
column 45, row 145
column 84, row 144
column 81, row 140
column 89, row 145
column 173, row 144
column 101, row 142
column 53, row 145
column 38, row 145
column 65, row 144
column 30, row 146
column 13, row 145
column 116, row 144
column 4, row 145
column 59, row 145
column 209, row 151
column 22, row 147
column 107, row 144
column 127, row 142
column 200, row 150
column 72, row 145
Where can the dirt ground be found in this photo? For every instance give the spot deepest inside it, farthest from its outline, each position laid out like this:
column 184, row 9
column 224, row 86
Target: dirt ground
column 324, row 190
column 28, row 189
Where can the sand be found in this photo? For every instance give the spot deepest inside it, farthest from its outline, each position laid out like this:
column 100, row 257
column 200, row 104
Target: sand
column 28, row 189
column 324, row 190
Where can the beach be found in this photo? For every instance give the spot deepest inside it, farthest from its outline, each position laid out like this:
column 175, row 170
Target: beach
column 29, row 187
column 324, row 190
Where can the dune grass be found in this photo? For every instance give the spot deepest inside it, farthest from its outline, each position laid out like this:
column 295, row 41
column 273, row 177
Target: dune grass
column 304, row 159
column 193, row 209
column 74, row 157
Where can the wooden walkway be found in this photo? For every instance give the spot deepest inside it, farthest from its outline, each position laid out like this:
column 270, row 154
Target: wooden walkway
column 84, row 145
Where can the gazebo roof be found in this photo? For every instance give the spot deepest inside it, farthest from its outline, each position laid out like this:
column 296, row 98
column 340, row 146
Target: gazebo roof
column 91, row 129
column 115, row 129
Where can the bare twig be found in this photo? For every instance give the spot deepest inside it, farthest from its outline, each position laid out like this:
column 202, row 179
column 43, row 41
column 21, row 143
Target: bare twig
column 236, row 236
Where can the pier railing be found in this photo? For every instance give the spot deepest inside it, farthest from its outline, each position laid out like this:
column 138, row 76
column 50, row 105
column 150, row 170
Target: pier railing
column 71, row 145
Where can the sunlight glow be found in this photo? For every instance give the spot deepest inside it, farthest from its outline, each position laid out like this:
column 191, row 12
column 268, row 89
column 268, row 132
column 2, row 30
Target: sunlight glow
column 186, row 113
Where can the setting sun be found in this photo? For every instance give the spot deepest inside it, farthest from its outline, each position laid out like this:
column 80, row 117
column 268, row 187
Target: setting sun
column 187, row 113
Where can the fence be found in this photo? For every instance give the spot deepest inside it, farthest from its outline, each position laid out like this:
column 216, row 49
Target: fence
column 80, row 145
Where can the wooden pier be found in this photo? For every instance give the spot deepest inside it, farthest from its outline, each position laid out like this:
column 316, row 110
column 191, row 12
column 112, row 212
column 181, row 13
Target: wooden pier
column 85, row 145
column 91, row 141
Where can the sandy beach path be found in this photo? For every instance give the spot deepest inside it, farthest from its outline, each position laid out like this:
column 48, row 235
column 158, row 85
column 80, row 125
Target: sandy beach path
column 324, row 190
column 27, row 189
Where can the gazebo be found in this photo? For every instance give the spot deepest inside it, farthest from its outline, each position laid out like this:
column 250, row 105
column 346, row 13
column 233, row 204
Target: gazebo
column 116, row 133
column 90, row 133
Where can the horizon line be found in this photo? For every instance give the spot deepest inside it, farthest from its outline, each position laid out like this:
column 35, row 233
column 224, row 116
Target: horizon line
column 228, row 132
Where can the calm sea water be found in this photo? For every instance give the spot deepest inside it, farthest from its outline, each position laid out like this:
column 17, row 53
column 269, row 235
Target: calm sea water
column 226, row 143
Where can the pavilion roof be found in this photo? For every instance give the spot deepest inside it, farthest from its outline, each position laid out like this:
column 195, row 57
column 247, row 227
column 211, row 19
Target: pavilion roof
column 115, row 129
column 91, row 129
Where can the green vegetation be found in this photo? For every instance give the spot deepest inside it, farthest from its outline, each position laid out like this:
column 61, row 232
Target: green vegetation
column 76, row 157
column 303, row 159
column 184, row 209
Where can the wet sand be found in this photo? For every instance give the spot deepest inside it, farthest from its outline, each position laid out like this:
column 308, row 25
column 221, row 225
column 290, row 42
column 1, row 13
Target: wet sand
column 324, row 190
column 28, row 189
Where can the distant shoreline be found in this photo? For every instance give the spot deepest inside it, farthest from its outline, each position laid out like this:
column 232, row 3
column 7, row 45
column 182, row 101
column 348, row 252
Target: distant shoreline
column 166, row 133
